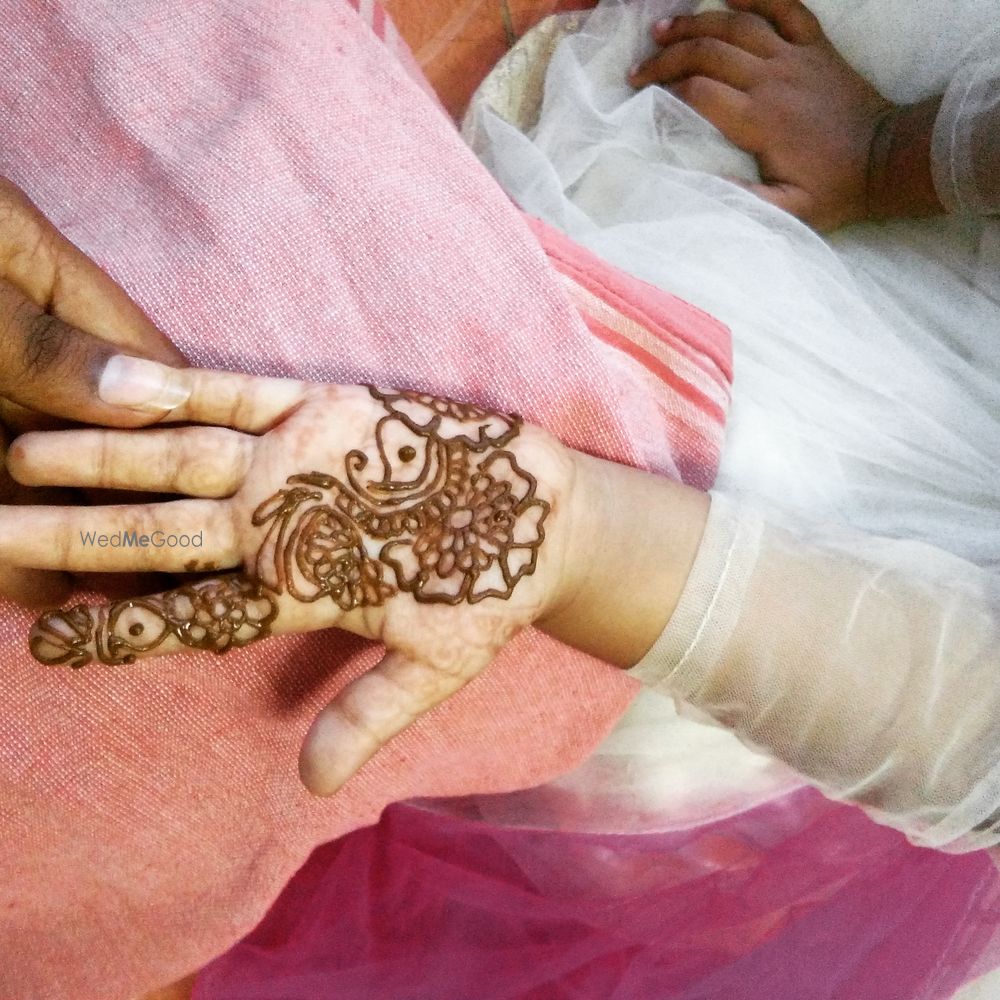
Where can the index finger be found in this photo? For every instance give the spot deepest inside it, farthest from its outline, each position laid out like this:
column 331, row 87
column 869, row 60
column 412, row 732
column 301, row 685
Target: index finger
column 229, row 399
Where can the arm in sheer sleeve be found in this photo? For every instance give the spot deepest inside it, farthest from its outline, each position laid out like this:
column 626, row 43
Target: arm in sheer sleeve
column 965, row 146
column 871, row 666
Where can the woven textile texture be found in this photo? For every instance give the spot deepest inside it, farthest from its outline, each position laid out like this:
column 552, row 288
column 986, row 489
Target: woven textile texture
column 283, row 198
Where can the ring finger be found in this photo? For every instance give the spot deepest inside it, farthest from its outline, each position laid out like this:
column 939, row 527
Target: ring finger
column 180, row 536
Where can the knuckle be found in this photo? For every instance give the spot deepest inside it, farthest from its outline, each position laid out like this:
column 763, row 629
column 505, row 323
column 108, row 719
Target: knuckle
column 682, row 90
column 701, row 48
column 742, row 24
column 47, row 341
column 354, row 712
column 694, row 90
column 105, row 459
column 202, row 458
column 13, row 210
column 799, row 20
column 811, row 25
column 9, row 211
column 245, row 410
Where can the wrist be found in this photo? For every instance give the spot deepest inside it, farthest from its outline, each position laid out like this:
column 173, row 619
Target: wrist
column 631, row 541
column 899, row 182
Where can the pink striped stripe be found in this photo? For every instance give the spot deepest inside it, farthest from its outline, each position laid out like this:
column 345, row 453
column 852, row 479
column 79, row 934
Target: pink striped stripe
column 668, row 359
column 701, row 337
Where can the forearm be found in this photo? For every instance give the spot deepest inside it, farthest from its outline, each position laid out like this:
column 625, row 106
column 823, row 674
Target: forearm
column 866, row 664
column 942, row 154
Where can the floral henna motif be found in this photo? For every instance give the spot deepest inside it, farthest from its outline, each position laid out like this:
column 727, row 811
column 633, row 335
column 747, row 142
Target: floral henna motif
column 476, row 543
column 218, row 615
column 450, row 513
column 449, row 420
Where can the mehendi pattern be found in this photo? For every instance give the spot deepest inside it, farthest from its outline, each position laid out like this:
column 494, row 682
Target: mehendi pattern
column 449, row 512
column 218, row 614
column 436, row 508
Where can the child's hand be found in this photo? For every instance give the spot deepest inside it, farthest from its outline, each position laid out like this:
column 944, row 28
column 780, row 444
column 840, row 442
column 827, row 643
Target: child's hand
column 432, row 526
column 771, row 82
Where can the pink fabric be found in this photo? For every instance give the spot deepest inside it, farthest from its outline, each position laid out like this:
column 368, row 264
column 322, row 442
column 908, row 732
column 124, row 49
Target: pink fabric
column 674, row 341
column 799, row 899
column 281, row 198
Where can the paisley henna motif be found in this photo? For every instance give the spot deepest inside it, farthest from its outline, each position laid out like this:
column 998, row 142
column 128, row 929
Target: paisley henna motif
column 219, row 614
column 313, row 550
column 449, row 512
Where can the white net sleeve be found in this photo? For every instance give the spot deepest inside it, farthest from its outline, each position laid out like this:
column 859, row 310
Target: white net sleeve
column 965, row 152
column 871, row 666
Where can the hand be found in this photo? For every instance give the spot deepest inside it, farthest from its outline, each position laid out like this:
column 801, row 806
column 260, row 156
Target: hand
column 61, row 318
column 436, row 528
column 770, row 81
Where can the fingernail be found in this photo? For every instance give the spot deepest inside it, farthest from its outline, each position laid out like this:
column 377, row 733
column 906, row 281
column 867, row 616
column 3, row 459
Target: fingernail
column 634, row 71
column 662, row 27
column 141, row 385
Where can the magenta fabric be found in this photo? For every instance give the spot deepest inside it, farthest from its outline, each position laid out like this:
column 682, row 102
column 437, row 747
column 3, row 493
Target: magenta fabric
column 795, row 900
column 282, row 198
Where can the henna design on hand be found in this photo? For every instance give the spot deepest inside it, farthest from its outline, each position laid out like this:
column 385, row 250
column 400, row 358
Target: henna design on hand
column 451, row 517
column 313, row 550
column 451, row 514
column 218, row 615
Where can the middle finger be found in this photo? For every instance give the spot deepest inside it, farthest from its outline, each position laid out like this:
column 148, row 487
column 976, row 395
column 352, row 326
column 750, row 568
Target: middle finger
column 749, row 32
column 194, row 461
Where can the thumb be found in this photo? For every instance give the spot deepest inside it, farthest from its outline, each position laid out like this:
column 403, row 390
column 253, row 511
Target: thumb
column 370, row 711
column 50, row 271
column 61, row 318
column 51, row 367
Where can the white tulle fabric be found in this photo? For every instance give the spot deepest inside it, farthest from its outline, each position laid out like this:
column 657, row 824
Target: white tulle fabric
column 867, row 397
column 966, row 142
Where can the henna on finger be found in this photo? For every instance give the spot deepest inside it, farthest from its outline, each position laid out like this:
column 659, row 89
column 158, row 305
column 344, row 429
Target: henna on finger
column 218, row 614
